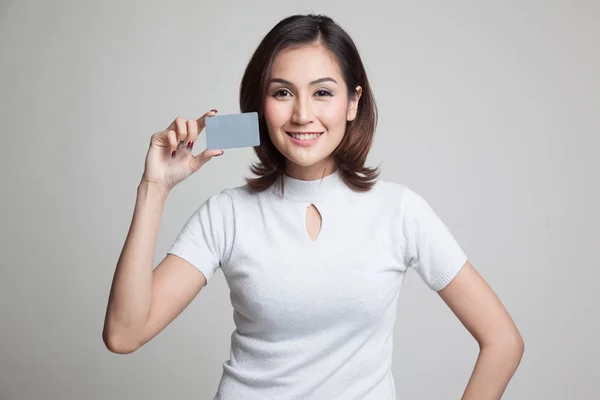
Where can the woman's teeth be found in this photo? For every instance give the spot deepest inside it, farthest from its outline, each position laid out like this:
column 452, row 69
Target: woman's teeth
column 305, row 136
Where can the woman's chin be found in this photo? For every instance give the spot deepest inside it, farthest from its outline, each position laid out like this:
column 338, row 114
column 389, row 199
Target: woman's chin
column 308, row 162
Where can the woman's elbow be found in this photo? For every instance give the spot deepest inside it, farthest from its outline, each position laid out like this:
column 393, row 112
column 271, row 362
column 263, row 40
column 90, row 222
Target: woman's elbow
column 118, row 344
column 519, row 345
column 511, row 343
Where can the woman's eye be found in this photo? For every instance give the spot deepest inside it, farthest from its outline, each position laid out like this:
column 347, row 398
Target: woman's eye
column 322, row 93
column 281, row 93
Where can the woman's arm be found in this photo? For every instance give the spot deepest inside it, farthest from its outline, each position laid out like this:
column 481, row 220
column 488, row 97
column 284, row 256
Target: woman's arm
column 501, row 347
column 142, row 302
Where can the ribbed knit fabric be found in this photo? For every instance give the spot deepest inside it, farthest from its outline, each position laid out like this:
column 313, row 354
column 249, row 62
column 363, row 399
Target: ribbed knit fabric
column 314, row 319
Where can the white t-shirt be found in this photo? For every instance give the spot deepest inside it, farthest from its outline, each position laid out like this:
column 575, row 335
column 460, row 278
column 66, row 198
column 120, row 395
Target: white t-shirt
column 314, row 319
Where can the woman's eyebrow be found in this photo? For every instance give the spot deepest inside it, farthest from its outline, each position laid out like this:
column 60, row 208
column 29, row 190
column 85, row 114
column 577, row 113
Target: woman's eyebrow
column 288, row 83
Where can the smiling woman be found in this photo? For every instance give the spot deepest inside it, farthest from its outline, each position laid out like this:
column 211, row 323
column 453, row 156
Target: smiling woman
column 312, row 112
column 316, row 110
column 314, row 249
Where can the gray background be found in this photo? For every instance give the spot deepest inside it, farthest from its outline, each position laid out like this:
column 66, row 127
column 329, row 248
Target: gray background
column 490, row 111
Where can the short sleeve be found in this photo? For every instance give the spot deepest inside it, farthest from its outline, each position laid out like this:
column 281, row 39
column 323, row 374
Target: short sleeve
column 204, row 241
column 430, row 248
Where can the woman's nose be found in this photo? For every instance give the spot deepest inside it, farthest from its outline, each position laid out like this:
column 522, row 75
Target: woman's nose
column 302, row 112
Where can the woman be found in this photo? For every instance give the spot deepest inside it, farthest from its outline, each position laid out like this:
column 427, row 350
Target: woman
column 314, row 249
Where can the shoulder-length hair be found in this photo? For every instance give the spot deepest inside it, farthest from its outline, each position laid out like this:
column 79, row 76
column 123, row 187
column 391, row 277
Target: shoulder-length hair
column 351, row 153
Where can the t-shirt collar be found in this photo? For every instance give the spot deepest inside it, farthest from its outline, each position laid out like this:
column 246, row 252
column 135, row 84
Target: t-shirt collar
column 308, row 191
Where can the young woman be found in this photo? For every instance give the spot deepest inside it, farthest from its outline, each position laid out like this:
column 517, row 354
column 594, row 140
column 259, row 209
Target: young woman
column 314, row 248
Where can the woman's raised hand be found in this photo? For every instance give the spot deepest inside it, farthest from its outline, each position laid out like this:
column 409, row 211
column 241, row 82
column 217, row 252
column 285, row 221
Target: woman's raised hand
column 169, row 159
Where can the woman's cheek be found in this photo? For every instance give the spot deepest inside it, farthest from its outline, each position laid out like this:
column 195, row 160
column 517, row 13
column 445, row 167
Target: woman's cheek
column 275, row 113
column 268, row 111
column 333, row 112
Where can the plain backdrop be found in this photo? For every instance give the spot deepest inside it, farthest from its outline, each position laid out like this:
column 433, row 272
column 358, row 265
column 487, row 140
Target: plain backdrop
column 489, row 110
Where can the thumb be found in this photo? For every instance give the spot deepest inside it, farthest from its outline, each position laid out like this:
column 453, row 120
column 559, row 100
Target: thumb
column 204, row 157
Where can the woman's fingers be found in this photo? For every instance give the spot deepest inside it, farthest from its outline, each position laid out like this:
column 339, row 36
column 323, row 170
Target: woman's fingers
column 172, row 140
column 181, row 130
column 182, row 133
column 202, row 120
column 204, row 157
column 192, row 129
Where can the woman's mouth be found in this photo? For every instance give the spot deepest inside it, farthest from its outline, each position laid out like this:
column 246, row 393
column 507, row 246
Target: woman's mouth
column 304, row 138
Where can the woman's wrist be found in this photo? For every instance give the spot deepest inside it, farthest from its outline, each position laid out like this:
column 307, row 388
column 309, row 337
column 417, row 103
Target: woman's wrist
column 152, row 189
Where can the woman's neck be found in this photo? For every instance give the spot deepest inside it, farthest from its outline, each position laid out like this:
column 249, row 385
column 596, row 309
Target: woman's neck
column 312, row 172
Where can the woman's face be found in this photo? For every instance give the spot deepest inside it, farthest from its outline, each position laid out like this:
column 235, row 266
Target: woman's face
column 306, row 109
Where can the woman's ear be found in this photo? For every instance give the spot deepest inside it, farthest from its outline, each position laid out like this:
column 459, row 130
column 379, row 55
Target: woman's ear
column 353, row 104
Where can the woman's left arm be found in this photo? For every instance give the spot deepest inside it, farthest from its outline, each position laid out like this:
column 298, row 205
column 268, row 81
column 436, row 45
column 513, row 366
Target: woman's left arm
column 501, row 347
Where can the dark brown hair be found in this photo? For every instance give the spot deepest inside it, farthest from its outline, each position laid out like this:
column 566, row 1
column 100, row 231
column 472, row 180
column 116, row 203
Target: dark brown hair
column 351, row 154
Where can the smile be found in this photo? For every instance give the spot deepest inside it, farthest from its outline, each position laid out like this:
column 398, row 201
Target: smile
column 305, row 136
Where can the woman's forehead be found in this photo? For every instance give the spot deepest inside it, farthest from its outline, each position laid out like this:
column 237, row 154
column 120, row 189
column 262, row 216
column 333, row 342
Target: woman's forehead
column 304, row 64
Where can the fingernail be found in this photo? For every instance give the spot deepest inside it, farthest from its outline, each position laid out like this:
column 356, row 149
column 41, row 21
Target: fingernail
column 180, row 144
column 214, row 110
column 220, row 154
column 173, row 154
column 189, row 145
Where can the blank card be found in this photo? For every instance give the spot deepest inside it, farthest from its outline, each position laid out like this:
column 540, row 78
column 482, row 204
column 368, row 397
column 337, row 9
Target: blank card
column 231, row 131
